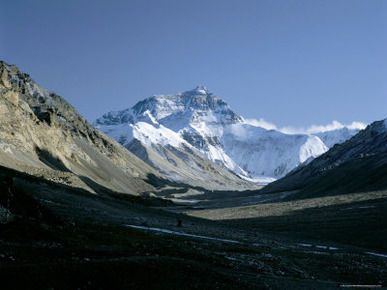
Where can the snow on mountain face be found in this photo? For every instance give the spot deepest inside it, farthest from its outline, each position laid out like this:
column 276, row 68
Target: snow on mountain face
column 333, row 137
column 268, row 153
column 207, row 123
column 358, row 164
column 175, row 111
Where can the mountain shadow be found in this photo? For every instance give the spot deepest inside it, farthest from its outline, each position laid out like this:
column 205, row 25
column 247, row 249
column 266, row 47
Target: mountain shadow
column 53, row 162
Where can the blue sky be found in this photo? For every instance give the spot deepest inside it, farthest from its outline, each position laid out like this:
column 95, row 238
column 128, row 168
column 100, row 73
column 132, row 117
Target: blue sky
column 293, row 63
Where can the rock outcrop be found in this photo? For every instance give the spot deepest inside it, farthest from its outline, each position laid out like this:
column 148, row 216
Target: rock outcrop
column 42, row 134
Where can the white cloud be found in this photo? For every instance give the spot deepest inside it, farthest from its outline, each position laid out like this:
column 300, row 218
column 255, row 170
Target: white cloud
column 313, row 129
column 356, row 125
column 261, row 123
column 292, row 130
column 335, row 125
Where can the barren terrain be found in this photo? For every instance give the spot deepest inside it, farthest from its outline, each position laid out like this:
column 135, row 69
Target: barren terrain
column 62, row 237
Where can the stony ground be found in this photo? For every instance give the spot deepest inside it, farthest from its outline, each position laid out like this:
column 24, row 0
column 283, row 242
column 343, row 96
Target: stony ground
column 65, row 238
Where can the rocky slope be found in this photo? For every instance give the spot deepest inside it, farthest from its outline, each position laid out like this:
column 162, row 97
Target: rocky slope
column 40, row 133
column 199, row 120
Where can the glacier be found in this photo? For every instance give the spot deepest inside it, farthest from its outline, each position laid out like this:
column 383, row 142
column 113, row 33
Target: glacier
column 198, row 120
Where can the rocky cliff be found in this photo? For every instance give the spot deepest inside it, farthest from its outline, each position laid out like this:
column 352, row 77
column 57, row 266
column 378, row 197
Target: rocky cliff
column 43, row 135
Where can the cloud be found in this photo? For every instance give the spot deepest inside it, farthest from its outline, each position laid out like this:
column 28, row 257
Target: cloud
column 313, row 129
column 292, row 130
column 356, row 125
column 261, row 123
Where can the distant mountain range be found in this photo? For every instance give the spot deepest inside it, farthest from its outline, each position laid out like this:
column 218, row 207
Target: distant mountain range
column 189, row 139
column 357, row 165
column 163, row 126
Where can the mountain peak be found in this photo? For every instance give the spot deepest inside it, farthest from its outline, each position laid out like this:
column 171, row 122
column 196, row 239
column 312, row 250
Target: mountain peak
column 208, row 124
column 201, row 90
column 183, row 106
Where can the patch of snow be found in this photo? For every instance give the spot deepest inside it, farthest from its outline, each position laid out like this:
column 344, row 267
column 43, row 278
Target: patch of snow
column 147, row 114
column 305, row 245
column 182, row 201
column 326, row 247
column 201, row 91
column 165, row 231
column 261, row 180
column 313, row 147
column 319, row 247
column 150, row 134
column 377, row 254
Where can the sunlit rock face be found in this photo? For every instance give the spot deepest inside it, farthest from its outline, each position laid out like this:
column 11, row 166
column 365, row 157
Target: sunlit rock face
column 43, row 135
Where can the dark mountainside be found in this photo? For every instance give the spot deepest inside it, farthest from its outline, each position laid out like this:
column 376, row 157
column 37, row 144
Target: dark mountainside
column 357, row 165
column 73, row 215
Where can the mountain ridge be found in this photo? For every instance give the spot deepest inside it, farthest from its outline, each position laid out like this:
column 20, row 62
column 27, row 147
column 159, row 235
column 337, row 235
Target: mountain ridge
column 358, row 164
column 43, row 135
column 213, row 128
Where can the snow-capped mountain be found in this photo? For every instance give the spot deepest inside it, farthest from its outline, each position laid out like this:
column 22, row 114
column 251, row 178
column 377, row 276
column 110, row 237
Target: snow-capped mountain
column 359, row 164
column 337, row 136
column 199, row 120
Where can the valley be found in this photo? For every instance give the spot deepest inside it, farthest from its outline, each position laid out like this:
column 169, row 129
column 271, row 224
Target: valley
column 60, row 237
column 80, row 210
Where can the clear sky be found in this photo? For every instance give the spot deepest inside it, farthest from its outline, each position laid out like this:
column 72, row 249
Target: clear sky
column 291, row 62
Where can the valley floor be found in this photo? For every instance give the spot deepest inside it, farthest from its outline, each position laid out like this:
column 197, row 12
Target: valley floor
column 65, row 238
